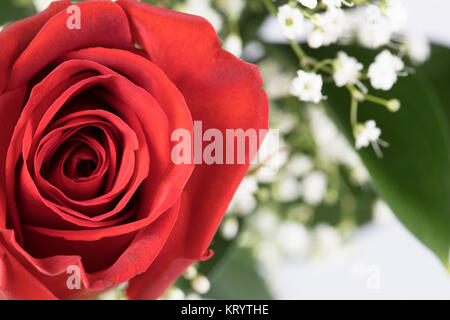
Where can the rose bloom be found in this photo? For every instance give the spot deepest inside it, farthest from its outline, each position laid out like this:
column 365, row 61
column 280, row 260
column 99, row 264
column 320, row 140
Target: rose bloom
column 86, row 176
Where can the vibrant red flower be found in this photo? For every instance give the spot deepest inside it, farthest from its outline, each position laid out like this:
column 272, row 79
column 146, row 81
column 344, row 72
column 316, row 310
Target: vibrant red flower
column 86, row 177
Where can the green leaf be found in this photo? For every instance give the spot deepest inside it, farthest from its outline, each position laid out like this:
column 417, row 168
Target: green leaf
column 413, row 177
column 237, row 278
column 15, row 10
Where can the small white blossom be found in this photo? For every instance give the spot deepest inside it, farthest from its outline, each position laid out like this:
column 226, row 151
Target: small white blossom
column 41, row 5
column 269, row 255
column 314, row 187
column 384, row 71
column 190, row 273
column 329, row 26
column 201, row 284
column 316, row 39
column 331, row 144
column 233, row 44
column 293, row 239
column 281, row 120
column 308, row 3
column 291, row 21
column 418, row 48
column 244, row 200
column 175, row 294
column 347, row 70
column 286, row 189
column 374, row 30
column 382, row 77
column 396, row 12
column 232, row 8
column 276, row 82
column 336, row 3
column 367, row 134
column 307, row 86
column 230, row 228
column 253, row 51
column 386, row 57
column 300, row 165
column 265, row 220
column 193, row 296
column 272, row 155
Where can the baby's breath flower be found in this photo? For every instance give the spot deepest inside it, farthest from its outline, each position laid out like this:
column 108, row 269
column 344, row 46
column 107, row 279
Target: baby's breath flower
column 201, row 284
column 286, row 189
column 314, row 187
column 232, row 8
column 291, row 21
column 230, row 228
column 175, row 294
column 265, row 220
column 309, row 3
column 384, row 71
column 329, row 26
column 396, row 12
column 244, row 200
column 316, row 39
column 369, row 133
column 336, row 3
column 418, row 48
column 233, row 44
column 375, row 30
column 41, row 5
column 300, row 165
column 347, row 70
column 293, row 239
column 193, row 296
column 190, row 273
column 386, row 57
column 307, row 86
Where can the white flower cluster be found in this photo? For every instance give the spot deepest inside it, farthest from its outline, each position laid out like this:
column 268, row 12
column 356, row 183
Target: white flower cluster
column 374, row 24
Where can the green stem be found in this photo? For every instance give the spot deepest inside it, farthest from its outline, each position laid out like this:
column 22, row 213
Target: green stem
column 269, row 5
column 298, row 50
column 377, row 100
column 354, row 111
column 322, row 65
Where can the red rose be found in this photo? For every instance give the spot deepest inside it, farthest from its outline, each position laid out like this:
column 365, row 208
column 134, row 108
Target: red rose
column 86, row 176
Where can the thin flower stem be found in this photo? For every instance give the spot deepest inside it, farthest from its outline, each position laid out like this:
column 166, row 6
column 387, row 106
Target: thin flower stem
column 322, row 65
column 377, row 100
column 269, row 5
column 298, row 50
column 354, row 111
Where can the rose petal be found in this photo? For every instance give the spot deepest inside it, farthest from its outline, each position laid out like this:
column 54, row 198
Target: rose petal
column 10, row 107
column 221, row 91
column 16, row 282
column 135, row 259
column 98, row 18
column 18, row 35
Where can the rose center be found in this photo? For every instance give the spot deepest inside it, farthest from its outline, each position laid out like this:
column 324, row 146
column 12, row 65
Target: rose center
column 84, row 168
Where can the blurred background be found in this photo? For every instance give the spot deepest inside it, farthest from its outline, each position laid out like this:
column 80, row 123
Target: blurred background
column 314, row 228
